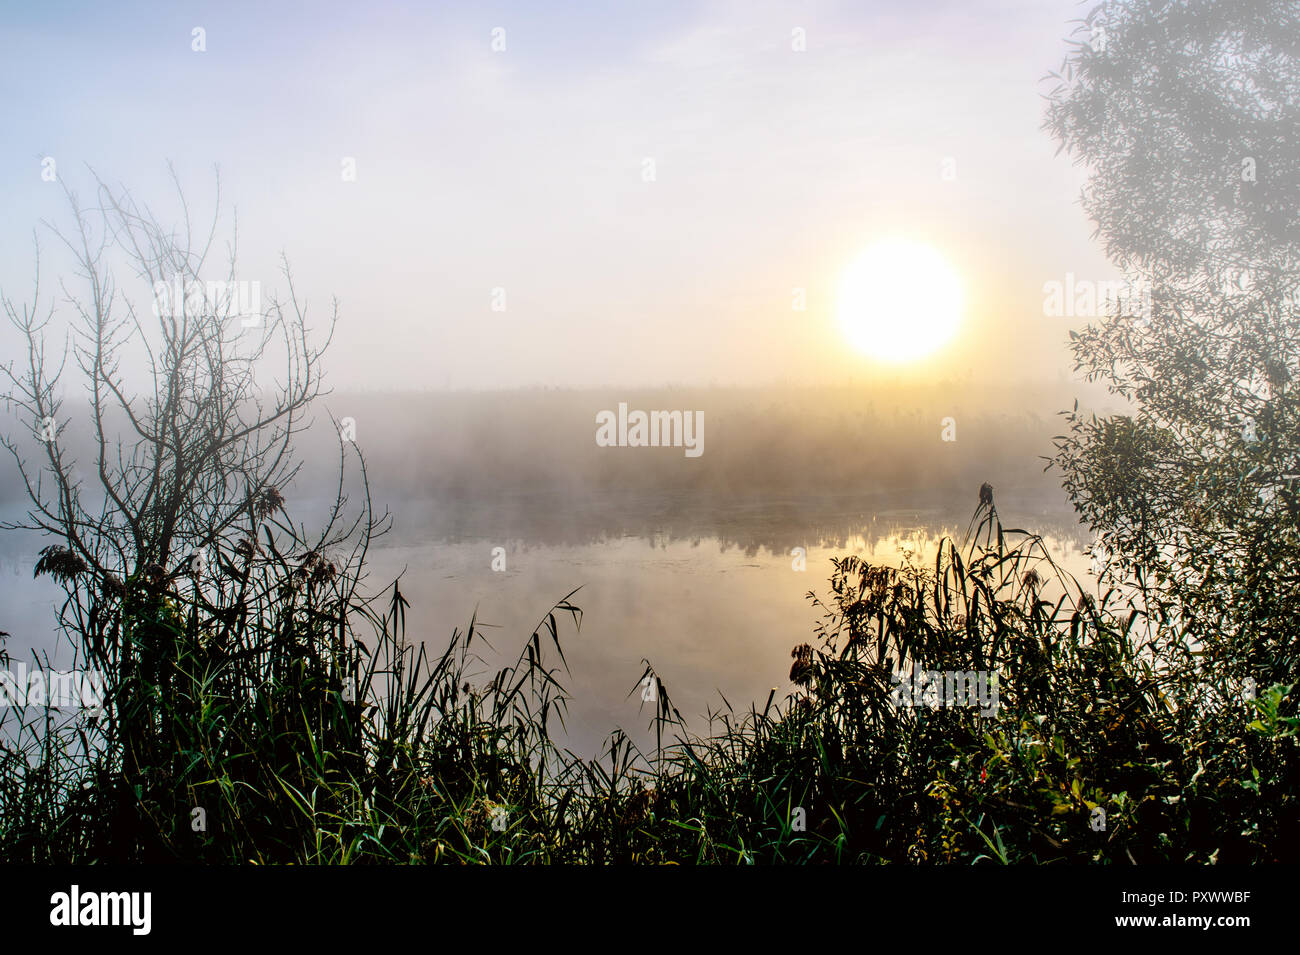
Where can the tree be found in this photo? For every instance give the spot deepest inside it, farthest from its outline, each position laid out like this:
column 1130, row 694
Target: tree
column 1186, row 114
column 180, row 565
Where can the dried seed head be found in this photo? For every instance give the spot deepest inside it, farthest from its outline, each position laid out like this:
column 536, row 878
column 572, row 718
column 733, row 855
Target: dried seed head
column 268, row 503
column 801, row 669
column 60, row 563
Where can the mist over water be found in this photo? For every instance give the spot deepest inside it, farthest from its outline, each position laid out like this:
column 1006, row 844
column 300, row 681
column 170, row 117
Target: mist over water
column 689, row 564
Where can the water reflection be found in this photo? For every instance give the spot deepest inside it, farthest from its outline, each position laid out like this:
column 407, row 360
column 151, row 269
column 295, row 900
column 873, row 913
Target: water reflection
column 705, row 589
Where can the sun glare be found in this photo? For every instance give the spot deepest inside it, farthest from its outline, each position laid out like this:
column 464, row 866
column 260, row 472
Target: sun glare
column 899, row 301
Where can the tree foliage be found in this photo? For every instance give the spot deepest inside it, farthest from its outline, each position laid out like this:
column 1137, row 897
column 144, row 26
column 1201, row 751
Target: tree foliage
column 1185, row 114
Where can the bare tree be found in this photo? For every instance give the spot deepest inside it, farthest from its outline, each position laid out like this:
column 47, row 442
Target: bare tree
column 178, row 542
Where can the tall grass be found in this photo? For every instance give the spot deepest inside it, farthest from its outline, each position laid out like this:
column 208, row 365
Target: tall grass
column 290, row 719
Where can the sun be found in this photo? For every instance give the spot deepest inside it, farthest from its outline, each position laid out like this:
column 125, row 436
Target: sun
column 899, row 301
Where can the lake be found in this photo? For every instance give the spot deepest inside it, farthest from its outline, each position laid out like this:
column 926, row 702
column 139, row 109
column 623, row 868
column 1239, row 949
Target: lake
column 704, row 589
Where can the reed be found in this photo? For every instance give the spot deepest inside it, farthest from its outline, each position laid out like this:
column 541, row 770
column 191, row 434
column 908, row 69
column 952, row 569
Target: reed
column 301, row 724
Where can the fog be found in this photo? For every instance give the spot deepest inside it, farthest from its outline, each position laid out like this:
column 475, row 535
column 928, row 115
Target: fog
column 530, row 220
column 502, row 503
column 595, row 197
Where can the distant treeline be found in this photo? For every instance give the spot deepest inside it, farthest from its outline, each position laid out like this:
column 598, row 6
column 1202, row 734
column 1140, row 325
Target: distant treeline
column 787, row 441
column 819, row 464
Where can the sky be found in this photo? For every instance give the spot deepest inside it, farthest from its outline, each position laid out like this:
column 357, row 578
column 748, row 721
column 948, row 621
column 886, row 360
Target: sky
column 643, row 186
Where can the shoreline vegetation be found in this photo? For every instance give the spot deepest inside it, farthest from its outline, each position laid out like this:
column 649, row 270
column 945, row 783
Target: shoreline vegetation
column 312, row 730
column 263, row 704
